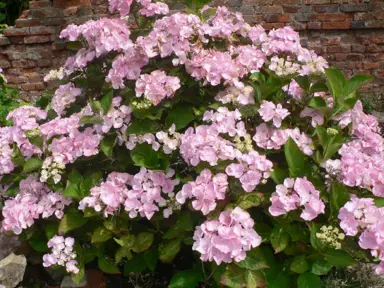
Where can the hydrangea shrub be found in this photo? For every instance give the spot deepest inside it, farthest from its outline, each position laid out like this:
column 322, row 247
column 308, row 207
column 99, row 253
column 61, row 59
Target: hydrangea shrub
column 193, row 145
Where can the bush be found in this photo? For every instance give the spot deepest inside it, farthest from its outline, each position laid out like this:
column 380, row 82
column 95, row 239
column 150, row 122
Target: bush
column 197, row 147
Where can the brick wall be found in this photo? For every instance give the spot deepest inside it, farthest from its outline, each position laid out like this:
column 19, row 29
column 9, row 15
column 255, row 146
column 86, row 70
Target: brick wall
column 349, row 33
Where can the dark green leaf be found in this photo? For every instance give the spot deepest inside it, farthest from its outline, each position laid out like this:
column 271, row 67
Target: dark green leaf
column 169, row 250
column 318, row 87
column 89, row 182
column 106, row 101
column 75, row 45
column 319, row 266
column 108, row 266
column 308, row 280
column 137, row 264
column 143, row 241
column 279, row 175
column 299, row 264
column 255, row 260
column 150, row 257
column 250, row 200
column 72, row 220
column 181, row 116
column 355, row 83
column 142, row 126
column 304, row 82
column 317, row 103
column 91, row 120
column 72, row 189
column 39, row 242
column 32, row 164
column 279, row 239
column 295, row 159
column 336, row 81
column 144, row 156
column 38, row 140
column 107, row 144
column 101, row 234
column 184, row 223
column 339, row 258
column 51, row 229
column 282, row 280
column 338, row 197
column 127, row 241
column 186, row 279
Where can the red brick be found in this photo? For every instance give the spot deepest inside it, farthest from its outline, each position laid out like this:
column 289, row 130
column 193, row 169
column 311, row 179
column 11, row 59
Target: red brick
column 312, row 25
column 336, row 25
column 44, row 63
column 5, row 64
column 4, row 41
column 37, row 39
column 39, row 4
column 270, row 26
column 340, row 56
column 42, row 30
column 353, row 7
column 27, row 22
column 16, row 79
column 358, row 48
column 331, row 17
column 46, row 13
column 371, row 65
column 332, row 8
column 13, row 31
column 17, row 40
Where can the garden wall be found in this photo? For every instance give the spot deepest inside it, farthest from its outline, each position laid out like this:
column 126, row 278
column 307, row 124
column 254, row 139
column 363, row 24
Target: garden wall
column 349, row 33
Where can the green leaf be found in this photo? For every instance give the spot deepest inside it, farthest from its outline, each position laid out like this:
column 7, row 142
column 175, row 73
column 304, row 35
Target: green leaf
column 317, row 103
column 330, row 143
column 72, row 189
column 295, row 159
column 139, row 127
column 80, row 258
column 304, row 82
column 233, row 277
column 299, row 264
column 39, row 242
column 255, row 260
column 143, row 242
column 282, row 280
column 339, row 258
column 338, row 197
column 107, row 144
column 181, row 116
column 144, row 156
column 279, row 175
column 38, row 140
column 318, row 87
column 108, row 266
column 127, row 241
column 314, row 228
column 169, row 251
column 75, row 45
column 95, row 105
column 186, row 279
column 32, row 164
column 106, row 101
column 335, row 81
column 70, row 221
column 308, row 280
column 279, row 239
column 255, row 279
column 184, row 223
column 136, row 265
column 319, row 266
column 91, row 120
column 250, row 200
column 89, row 182
column 51, row 229
column 101, row 234
column 150, row 257
column 355, row 83
column 121, row 253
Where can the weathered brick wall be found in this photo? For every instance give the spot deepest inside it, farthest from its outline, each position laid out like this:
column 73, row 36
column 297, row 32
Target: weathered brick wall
column 349, row 33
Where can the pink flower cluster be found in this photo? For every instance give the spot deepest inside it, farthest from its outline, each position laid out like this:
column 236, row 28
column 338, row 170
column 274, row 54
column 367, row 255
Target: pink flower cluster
column 64, row 96
column 103, row 36
column 33, row 201
column 148, row 9
column 360, row 215
column 146, row 195
column 118, row 116
column 26, row 117
column 317, row 118
column 243, row 96
column 206, row 190
column 270, row 138
column 205, row 144
column 157, row 86
column 67, row 149
column 295, row 193
column 251, row 170
column 226, row 239
column 362, row 159
column 62, row 254
column 60, row 126
column 269, row 111
column 225, row 121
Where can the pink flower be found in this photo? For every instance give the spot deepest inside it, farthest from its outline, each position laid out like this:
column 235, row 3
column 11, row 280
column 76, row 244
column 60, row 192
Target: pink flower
column 64, row 96
column 317, row 117
column 226, row 239
column 295, row 193
column 269, row 111
column 206, row 191
column 157, row 86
